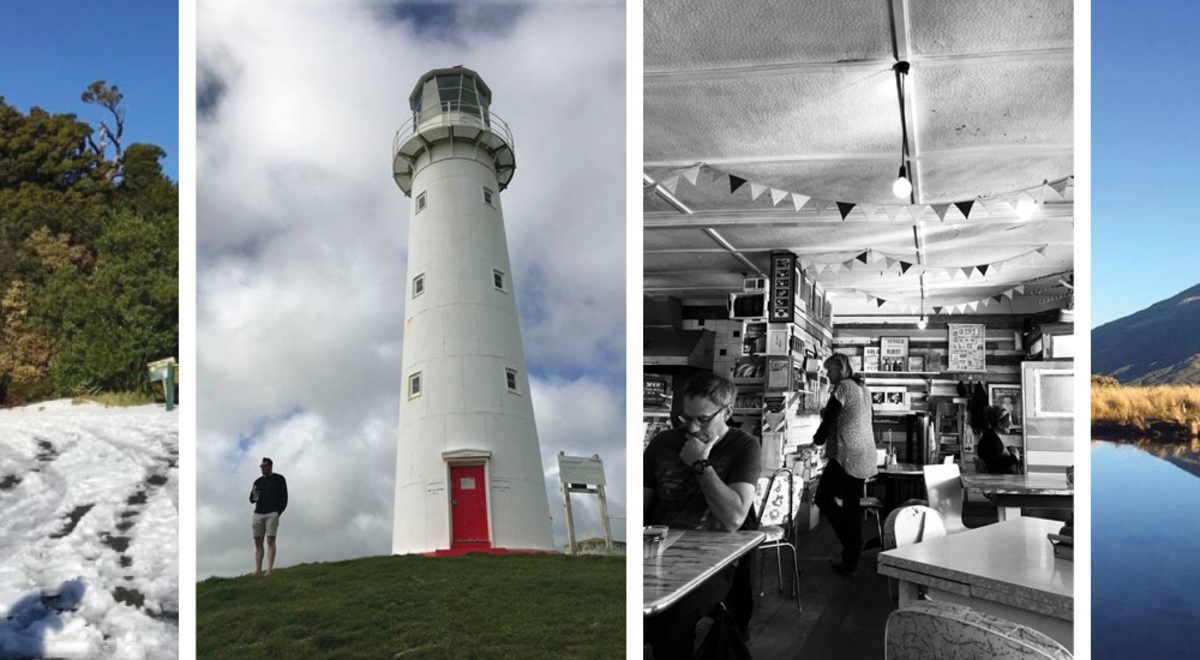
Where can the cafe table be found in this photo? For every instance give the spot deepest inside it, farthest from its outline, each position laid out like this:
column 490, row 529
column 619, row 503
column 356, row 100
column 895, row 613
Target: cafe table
column 1010, row 492
column 689, row 558
column 1007, row 569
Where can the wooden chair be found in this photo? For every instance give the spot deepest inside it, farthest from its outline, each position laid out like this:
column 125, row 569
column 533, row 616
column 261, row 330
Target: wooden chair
column 943, row 486
column 931, row 629
column 908, row 525
column 872, row 506
column 777, row 500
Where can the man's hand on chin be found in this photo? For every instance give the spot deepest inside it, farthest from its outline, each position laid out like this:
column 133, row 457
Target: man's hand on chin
column 694, row 449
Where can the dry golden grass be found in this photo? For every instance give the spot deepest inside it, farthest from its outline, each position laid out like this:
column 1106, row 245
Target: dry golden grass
column 117, row 399
column 1142, row 406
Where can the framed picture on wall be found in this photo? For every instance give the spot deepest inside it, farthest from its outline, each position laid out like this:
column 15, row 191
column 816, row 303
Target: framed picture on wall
column 890, row 398
column 1009, row 398
column 893, row 353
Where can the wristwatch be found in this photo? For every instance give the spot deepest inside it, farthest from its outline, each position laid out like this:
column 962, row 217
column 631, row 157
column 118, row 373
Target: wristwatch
column 701, row 465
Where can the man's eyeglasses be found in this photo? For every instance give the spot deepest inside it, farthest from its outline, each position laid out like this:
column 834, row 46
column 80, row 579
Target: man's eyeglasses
column 684, row 420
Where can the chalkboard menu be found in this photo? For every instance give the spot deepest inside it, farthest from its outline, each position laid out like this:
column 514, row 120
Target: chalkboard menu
column 967, row 344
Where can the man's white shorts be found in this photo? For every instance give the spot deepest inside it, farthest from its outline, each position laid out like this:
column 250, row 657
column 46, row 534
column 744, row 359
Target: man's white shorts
column 265, row 524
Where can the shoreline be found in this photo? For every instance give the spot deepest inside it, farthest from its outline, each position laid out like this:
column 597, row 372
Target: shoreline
column 1161, row 430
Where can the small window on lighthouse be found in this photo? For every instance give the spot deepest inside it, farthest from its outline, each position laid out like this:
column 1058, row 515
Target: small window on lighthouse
column 420, row 202
column 487, row 198
column 498, row 280
column 510, row 379
column 414, row 385
column 418, row 285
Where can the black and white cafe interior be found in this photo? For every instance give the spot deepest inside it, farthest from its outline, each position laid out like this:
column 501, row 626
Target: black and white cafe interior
column 893, row 181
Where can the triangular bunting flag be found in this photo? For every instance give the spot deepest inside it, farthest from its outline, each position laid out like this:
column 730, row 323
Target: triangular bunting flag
column 965, row 208
column 670, row 184
column 892, row 212
column 904, row 266
column 692, row 174
column 1020, row 288
column 1012, row 199
column 799, row 200
column 938, row 310
column 940, row 210
column 968, row 271
column 1060, row 187
column 820, row 205
column 889, row 261
column 1039, row 194
column 868, row 210
column 756, row 189
column 879, row 302
column 735, row 182
column 704, row 177
column 864, row 257
column 982, row 269
column 986, row 302
column 778, row 196
column 973, row 306
column 995, row 206
column 1041, row 250
column 915, row 211
column 845, row 208
column 998, row 298
column 1008, row 294
column 721, row 181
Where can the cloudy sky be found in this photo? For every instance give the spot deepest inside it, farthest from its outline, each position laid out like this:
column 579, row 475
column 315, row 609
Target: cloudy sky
column 301, row 237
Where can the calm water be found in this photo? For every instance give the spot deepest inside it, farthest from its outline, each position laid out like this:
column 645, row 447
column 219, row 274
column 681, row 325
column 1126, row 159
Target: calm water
column 1145, row 551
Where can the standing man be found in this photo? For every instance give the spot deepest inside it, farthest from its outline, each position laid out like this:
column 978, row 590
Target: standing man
column 701, row 475
column 270, row 498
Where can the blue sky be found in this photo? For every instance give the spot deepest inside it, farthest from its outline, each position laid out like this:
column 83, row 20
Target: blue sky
column 50, row 51
column 1145, row 153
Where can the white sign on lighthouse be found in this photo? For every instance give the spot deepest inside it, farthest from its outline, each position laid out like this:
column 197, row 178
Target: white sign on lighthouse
column 468, row 471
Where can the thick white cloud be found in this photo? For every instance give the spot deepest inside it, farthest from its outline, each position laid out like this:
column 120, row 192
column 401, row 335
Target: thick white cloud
column 302, row 234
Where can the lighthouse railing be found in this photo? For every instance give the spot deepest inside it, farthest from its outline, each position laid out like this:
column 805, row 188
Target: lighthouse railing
column 453, row 113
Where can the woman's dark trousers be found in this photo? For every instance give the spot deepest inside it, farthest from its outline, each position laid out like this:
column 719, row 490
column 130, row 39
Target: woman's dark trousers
column 846, row 519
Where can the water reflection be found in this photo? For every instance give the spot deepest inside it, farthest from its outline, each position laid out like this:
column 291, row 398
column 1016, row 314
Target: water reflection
column 1145, row 549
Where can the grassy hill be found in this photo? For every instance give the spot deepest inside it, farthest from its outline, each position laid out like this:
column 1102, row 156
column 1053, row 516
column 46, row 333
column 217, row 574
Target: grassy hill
column 472, row 606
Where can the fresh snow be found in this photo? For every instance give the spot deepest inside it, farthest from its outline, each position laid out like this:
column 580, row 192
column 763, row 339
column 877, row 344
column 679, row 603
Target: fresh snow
column 89, row 515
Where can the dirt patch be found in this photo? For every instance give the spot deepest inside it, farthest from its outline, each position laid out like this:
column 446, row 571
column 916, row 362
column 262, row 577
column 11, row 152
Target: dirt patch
column 73, row 519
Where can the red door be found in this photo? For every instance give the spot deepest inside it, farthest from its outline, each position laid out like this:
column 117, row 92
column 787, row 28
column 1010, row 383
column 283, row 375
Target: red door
column 468, row 500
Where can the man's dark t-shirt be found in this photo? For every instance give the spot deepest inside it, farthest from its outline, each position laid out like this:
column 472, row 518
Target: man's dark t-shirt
column 678, row 501
column 272, row 494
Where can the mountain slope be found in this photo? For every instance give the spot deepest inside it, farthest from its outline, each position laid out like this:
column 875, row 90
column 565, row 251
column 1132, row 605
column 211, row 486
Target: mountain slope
column 1158, row 345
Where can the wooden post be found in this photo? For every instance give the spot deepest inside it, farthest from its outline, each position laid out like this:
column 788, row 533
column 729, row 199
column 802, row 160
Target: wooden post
column 608, row 542
column 570, row 520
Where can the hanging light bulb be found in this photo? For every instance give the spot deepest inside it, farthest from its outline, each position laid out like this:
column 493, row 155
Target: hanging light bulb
column 902, row 188
column 921, row 324
column 1026, row 207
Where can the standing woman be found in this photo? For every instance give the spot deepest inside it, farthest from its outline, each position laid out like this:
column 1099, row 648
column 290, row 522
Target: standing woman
column 846, row 425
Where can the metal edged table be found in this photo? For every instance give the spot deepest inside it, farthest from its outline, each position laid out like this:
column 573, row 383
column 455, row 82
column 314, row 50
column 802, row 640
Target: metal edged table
column 1007, row 570
column 691, row 557
column 1010, row 492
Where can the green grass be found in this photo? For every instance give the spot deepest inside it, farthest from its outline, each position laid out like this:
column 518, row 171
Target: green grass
column 416, row 608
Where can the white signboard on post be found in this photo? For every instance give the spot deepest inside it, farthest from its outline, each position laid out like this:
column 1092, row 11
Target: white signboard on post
column 580, row 470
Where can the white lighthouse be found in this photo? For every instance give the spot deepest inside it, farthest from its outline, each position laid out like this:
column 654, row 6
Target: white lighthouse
column 468, row 470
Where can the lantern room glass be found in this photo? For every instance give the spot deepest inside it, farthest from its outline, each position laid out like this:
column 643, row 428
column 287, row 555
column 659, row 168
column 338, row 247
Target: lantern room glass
column 452, row 92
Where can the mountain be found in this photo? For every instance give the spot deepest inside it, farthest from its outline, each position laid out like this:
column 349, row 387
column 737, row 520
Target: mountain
column 1158, row 345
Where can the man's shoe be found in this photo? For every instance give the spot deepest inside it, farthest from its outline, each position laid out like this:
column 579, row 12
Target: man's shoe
column 842, row 569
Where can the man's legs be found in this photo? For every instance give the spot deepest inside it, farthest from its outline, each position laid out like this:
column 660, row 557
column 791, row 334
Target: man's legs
column 672, row 634
column 258, row 553
column 270, row 553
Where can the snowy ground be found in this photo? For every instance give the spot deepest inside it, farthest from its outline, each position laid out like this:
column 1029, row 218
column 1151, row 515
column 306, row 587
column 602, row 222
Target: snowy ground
column 89, row 512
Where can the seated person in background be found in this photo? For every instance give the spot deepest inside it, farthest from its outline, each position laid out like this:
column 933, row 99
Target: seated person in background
column 997, row 459
column 701, row 475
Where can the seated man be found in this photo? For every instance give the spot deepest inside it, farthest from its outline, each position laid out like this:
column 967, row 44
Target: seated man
column 701, row 475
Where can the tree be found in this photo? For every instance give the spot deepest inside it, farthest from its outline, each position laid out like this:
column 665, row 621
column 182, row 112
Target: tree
column 108, row 97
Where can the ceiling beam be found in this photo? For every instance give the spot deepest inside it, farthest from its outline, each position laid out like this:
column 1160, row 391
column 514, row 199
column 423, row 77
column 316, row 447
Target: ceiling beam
column 1049, row 212
column 988, row 150
column 760, row 70
column 733, row 251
